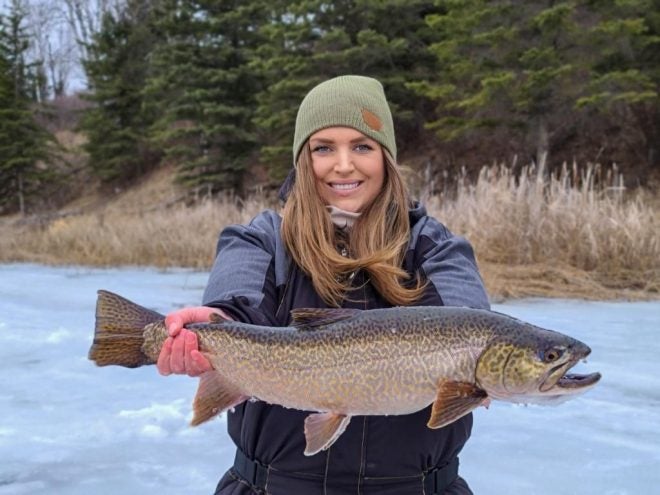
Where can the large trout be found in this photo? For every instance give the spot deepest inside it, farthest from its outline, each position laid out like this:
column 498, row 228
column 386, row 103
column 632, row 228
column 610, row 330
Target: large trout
column 339, row 363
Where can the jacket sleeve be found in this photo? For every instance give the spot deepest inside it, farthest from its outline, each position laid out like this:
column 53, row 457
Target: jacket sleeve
column 242, row 281
column 447, row 262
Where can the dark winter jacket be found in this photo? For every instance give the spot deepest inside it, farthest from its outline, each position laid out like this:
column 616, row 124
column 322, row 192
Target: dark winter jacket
column 255, row 281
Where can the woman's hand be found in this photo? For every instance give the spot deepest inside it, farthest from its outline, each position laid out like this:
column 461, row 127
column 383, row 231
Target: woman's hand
column 180, row 353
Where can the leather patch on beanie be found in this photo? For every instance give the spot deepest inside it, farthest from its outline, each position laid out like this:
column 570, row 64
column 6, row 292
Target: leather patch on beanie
column 372, row 120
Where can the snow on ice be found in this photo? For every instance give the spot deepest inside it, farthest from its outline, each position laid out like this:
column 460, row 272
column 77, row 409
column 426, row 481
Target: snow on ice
column 71, row 428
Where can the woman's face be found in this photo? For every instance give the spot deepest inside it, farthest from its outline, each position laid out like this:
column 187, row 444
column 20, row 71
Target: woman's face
column 348, row 166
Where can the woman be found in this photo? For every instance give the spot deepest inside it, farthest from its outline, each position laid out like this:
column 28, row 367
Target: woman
column 348, row 236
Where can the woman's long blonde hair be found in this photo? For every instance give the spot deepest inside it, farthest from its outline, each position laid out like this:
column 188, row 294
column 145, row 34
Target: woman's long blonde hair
column 377, row 242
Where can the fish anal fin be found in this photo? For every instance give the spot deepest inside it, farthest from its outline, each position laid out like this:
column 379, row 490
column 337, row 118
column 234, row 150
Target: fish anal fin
column 453, row 401
column 323, row 429
column 214, row 395
column 315, row 317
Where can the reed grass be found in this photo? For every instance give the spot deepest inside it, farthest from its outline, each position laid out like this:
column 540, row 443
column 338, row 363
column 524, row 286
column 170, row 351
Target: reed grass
column 556, row 234
column 572, row 234
column 170, row 237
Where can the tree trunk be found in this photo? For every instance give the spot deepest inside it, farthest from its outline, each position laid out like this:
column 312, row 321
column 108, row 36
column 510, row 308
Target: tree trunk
column 542, row 144
column 21, row 195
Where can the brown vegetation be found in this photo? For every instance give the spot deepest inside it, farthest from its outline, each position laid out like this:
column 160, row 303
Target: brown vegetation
column 572, row 233
column 565, row 235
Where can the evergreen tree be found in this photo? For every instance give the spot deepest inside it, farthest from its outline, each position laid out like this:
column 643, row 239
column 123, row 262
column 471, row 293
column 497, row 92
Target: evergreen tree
column 387, row 39
column 117, row 67
column 23, row 143
column 204, row 89
column 504, row 63
column 285, row 60
column 624, row 85
column 529, row 68
column 310, row 41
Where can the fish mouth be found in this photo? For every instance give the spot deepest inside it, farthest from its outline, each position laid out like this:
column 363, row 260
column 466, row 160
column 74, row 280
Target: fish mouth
column 577, row 381
column 560, row 382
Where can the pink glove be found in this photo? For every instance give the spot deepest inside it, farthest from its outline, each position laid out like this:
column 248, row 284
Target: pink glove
column 180, row 353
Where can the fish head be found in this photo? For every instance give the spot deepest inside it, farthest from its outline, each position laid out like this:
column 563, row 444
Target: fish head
column 531, row 364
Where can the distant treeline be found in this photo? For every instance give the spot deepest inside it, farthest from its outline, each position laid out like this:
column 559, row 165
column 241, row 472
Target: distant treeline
column 213, row 86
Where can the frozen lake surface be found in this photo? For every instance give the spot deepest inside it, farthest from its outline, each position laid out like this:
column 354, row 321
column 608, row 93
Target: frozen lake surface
column 68, row 427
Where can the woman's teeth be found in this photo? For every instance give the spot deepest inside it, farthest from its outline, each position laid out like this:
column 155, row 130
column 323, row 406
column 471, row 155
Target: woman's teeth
column 345, row 187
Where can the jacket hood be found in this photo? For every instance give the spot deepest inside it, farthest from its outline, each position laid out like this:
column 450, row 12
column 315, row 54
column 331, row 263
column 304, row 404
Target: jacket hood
column 287, row 185
column 416, row 212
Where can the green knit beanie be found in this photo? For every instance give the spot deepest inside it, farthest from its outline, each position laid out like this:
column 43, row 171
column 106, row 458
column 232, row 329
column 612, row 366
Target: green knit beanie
column 348, row 101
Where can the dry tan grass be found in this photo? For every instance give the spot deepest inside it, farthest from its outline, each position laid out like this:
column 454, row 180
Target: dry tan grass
column 563, row 234
column 173, row 236
column 534, row 235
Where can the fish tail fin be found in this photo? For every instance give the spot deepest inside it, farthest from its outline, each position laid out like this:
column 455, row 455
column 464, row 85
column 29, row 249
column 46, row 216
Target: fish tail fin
column 118, row 334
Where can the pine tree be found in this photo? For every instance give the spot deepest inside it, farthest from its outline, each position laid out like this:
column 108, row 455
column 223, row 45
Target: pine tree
column 504, row 64
column 23, row 143
column 387, row 40
column 116, row 124
column 531, row 69
column 204, row 89
column 624, row 85
column 286, row 63
column 310, row 41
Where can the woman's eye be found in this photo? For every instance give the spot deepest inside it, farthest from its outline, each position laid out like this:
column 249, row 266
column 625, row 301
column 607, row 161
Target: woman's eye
column 362, row 148
column 320, row 149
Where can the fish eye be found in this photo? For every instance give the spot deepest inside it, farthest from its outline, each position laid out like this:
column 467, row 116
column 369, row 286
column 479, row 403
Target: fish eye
column 551, row 355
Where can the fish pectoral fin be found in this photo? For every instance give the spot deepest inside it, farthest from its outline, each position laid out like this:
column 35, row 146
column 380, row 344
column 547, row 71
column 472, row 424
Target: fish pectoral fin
column 309, row 318
column 214, row 395
column 453, row 401
column 322, row 429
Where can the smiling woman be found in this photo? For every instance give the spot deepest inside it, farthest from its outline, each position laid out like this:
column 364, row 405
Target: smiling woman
column 348, row 166
column 349, row 236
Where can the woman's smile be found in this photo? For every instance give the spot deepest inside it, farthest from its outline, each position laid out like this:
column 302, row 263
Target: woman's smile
column 345, row 188
column 348, row 166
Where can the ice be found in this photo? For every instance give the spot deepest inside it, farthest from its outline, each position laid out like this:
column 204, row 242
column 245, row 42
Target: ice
column 69, row 427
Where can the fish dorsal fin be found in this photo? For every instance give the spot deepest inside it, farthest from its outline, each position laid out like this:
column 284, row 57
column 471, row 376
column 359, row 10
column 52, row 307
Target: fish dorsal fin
column 316, row 317
column 453, row 401
column 323, row 429
column 216, row 318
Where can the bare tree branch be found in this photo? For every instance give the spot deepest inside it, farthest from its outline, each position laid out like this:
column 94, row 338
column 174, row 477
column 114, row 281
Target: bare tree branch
column 61, row 33
column 51, row 45
column 84, row 18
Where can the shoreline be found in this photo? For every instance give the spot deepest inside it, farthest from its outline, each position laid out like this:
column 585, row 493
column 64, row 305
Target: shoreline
column 522, row 284
column 532, row 235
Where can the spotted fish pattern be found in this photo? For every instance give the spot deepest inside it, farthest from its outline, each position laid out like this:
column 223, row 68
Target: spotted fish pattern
column 337, row 363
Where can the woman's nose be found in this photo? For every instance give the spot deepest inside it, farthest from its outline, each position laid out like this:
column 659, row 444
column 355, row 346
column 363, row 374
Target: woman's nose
column 344, row 162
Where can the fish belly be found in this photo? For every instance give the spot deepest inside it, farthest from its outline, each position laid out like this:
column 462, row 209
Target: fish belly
column 386, row 388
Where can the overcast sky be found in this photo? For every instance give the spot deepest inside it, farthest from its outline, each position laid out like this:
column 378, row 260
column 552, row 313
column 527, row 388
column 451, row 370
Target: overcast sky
column 52, row 40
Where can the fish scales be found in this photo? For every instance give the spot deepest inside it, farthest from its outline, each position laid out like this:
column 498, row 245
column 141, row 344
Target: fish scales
column 385, row 362
column 341, row 363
